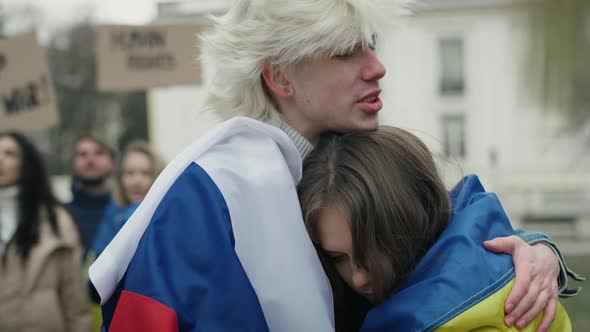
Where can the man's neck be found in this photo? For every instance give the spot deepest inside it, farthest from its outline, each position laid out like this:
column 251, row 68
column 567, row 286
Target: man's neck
column 93, row 188
column 294, row 119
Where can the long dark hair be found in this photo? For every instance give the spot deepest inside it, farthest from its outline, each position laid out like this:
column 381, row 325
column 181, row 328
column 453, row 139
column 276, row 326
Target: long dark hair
column 35, row 198
column 387, row 185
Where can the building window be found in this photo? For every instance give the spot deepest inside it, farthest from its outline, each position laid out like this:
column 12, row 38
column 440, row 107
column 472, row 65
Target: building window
column 451, row 66
column 453, row 130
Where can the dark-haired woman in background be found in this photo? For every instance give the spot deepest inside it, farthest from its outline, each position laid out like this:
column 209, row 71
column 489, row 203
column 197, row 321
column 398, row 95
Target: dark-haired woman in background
column 42, row 285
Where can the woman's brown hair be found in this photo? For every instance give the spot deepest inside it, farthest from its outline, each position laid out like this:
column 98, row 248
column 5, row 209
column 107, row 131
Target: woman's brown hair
column 387, row 184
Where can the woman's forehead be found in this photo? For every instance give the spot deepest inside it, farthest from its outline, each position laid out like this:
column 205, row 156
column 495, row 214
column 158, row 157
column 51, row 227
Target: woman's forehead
column 9, row 143
column 333, row 230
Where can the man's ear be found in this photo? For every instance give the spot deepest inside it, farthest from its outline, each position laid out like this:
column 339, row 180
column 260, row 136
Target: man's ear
column 276, row 80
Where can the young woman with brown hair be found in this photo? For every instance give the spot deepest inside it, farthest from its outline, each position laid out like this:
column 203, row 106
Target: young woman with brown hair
column 376, row 208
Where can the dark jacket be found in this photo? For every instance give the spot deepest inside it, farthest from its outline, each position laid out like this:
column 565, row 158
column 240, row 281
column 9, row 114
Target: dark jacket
column 88, row 210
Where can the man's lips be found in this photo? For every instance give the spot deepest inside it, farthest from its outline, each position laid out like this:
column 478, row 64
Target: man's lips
column 371, row 107
column 370, row 102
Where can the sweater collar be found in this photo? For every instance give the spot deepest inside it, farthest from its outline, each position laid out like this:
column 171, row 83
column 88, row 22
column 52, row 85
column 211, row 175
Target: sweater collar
column 301, row 143
column 9, row 192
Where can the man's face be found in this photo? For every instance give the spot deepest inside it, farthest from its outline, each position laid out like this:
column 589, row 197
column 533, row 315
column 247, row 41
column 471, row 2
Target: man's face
column 91, row 161
column 338, row 94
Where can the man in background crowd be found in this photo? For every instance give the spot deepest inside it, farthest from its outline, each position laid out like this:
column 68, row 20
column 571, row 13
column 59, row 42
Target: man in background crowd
column 92, row 165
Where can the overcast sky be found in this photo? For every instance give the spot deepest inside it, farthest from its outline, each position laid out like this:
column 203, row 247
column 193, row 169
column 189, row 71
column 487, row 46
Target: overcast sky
column 56, row 13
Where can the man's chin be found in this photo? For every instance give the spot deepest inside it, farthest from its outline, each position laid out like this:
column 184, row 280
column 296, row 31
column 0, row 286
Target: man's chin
column 92, row 181
column 367, row 122
column 370, row 125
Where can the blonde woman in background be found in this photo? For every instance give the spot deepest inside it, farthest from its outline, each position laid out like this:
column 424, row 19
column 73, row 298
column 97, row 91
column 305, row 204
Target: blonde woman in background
column 136, row 173
column 138, row 169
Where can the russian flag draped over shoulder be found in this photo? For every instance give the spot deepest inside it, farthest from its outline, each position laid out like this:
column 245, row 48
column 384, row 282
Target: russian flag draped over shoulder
column 218, row 244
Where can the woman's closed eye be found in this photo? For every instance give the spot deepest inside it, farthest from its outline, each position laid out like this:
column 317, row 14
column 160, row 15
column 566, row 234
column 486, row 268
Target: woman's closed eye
column 338, row 258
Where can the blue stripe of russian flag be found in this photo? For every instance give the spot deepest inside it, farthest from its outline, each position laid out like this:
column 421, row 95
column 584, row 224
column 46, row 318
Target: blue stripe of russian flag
column 185, row 275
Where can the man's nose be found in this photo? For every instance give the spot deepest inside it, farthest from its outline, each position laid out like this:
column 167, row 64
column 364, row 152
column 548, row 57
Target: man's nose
column 374, row 69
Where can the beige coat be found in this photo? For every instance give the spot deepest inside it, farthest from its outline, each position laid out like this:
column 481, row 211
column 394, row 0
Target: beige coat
column 49, row 293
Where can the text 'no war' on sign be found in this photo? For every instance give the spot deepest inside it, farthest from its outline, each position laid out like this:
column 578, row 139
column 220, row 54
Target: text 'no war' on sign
column 27, row 98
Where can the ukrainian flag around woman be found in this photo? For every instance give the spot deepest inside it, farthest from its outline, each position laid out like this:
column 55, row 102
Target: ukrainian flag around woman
column 458, row 285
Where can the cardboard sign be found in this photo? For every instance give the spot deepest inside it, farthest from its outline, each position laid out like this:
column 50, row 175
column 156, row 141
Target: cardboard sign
column 140, row 57
column 27, row 99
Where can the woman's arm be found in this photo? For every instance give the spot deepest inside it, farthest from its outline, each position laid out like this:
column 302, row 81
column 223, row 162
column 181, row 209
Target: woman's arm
column 72, row 287
column 72, row 291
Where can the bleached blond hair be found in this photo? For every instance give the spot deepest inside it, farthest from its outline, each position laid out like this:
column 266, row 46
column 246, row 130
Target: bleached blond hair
column 284, row 33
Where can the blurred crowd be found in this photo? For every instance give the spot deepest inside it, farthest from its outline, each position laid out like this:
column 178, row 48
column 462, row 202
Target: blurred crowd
column 47, row 245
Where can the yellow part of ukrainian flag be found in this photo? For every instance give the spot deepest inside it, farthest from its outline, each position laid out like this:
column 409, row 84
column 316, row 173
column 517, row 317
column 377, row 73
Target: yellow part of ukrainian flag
column 488, row 315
